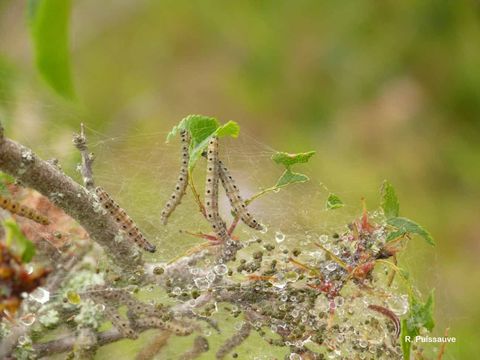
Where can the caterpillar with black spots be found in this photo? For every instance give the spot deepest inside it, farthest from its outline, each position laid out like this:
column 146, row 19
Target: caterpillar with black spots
column 181, row 185
column 16, row 208
column 123, row 220
column 233, row 193
column 211, row 191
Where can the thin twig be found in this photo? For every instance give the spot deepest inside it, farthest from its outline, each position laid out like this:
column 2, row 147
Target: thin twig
column 80, row 142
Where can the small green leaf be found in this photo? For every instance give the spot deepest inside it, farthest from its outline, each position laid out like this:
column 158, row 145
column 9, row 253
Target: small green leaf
column 49, row 20
column 17, row 240
column 201, row 129
column 177, row 128
column 231, row 128
column 420, row 316
column 334, row 202
column 288, row 160
column 290, row 177
column 408, row 226
column 390, row 204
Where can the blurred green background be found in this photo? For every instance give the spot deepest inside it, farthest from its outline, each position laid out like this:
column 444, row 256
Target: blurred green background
column 381, row 89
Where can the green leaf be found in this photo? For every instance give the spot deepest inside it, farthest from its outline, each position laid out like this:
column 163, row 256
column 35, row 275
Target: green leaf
column 395, row 235
column 201, row 129
column 408, row 226
column 390, row 204
column 420, row 316
column 290, row 177
column 334, row 202
column 18, row 241
column 231, row 128
column 49, row 21
column 288, row 160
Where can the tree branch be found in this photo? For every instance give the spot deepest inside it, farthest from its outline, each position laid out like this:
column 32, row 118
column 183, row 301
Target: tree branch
column 20, row 162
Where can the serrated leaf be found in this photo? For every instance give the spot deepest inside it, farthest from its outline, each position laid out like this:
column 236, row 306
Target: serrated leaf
column 49, row 21
column 390, row 204
column 231, row 128
column 15, row 239
column 201, row 129
column 290, row 177
column 409, row 226
column 334, row 202
column 288, row 160
column 177, row 128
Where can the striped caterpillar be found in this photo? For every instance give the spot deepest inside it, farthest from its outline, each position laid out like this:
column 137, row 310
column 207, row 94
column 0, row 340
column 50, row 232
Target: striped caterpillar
column 181, row 186
column 236, row 201
column 118, row 322
column 176, row 328
column 211, row 191
column 123, row 220
column 21, row 210
column 153, row 316
column 122, row 297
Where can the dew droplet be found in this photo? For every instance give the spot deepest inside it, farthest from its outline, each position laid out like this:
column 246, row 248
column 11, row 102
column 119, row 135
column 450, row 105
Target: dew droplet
column 211, row 276
column 27, row 319
column 29, row 269
column 22, row 340
column 202, row 283
column 279, row 237
column 40, row 295
column 331, row 266
column 176, row 291
column 323, row 238
column 220, row 269
column 291, row 276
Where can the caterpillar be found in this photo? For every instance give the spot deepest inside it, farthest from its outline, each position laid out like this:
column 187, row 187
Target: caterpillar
column 236, row 201
column 123, row 220
column 176, row 328
column 122, row 297
column 181, row 185
column 118, row 322
column 21, row 210
column 211, row 191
